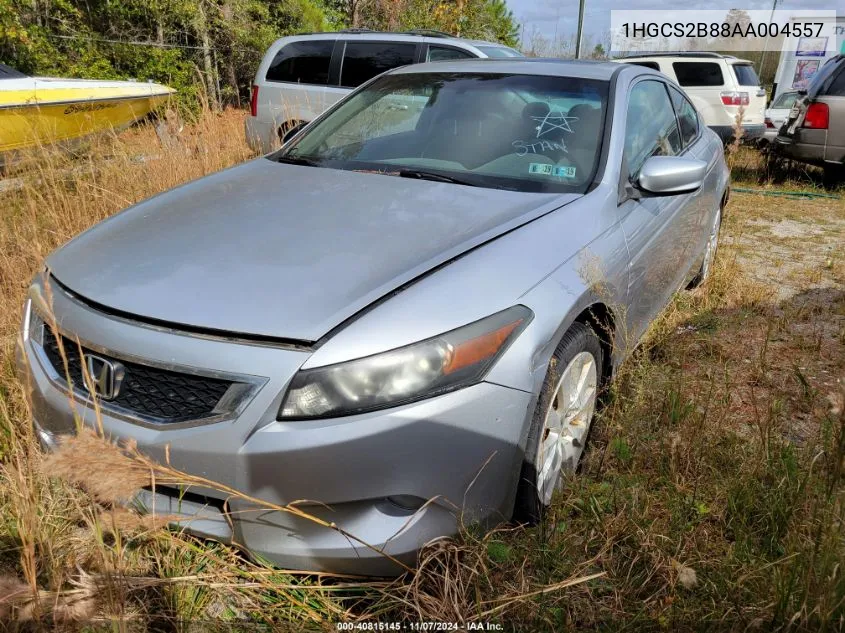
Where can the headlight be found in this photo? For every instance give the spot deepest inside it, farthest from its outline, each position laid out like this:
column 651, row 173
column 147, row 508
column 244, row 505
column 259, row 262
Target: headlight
column 444, row 363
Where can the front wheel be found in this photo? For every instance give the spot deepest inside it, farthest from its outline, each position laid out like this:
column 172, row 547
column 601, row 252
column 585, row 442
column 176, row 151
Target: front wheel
column 561, row 421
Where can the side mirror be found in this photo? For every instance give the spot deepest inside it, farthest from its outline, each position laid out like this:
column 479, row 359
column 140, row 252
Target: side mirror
column 293, row 131
column 671, row 175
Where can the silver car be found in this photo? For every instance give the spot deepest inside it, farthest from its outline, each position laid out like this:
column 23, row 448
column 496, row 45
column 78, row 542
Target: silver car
column 401, row 319
column 776, row 115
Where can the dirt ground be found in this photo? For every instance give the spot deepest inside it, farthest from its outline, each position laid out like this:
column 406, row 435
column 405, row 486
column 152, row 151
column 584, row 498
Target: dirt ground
column 804, row 243
column 792, row 251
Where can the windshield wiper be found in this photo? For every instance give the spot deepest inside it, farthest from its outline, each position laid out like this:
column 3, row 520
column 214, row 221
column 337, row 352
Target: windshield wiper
column 296, row 160
column 428, row 175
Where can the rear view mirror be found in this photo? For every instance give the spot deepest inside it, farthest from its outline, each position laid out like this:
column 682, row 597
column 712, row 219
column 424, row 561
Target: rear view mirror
column 670, row 175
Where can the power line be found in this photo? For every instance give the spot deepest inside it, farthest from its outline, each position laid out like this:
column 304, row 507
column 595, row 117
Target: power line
column 102, row 40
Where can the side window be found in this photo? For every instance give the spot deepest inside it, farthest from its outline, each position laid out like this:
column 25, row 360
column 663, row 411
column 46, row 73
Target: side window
column 652, row 65
column 650, row 127
column 700, row 74
column 745, row 75
column 837, row 87
column 687, row 116
column 442, row 53
column 305, row 62
column 364, row 60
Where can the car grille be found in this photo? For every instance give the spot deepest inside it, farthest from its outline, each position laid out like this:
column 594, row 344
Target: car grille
column 161, row 395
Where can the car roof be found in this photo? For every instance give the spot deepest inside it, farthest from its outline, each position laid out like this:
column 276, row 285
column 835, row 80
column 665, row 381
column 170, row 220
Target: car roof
column 678, row 54
column 524, row 66
column 485, row 43
column 683, row 56
column 426, row 35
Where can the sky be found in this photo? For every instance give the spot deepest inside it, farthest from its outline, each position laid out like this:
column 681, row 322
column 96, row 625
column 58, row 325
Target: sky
column 548, row 17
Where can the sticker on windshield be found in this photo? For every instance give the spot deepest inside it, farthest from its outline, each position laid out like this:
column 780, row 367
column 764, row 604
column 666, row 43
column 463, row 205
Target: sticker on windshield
column 564, row 172
column 546, row 169
column 540, row 168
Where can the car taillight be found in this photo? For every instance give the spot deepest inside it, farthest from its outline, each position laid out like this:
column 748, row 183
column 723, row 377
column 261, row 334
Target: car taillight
column 735, row 98
column 769, row 123
column 817, row 117
column 253, row 102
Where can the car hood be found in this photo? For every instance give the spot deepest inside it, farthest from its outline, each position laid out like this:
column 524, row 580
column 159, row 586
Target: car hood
column 284, row 251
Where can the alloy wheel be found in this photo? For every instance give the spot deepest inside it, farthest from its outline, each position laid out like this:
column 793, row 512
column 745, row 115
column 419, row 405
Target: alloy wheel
column 712, row 246
column 567, row 423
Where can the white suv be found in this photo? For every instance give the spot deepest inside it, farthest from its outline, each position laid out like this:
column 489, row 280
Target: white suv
column 718, row 86
column 301, row 76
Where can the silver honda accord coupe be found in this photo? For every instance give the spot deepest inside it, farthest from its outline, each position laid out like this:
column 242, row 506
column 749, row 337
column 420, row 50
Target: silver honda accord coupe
column 400, row 320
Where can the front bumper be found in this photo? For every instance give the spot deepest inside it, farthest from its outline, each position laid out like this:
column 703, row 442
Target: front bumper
column 463, row 450
column 768, row 136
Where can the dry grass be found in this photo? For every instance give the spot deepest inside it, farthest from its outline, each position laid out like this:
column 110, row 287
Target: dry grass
column 751, row 167
column 712, row 490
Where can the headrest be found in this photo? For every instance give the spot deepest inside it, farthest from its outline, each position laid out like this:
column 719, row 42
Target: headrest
column 535, row 109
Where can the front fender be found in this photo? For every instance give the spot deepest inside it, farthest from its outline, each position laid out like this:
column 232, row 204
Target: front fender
column 597, row 275
column 557, row 265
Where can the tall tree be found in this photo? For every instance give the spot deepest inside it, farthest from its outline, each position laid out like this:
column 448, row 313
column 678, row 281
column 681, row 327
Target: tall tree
column 482, row 19
column 502, row 25
column 208, row 46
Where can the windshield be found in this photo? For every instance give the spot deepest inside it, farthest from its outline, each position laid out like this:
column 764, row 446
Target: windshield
column 519, row 132
column 786, row 100
column 821, row 76
column 499, row 51
column 745, row 75
column 7, row 72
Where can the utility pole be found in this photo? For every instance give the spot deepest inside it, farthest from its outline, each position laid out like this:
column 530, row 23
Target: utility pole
column 557, row 22
column 581, row 29
column 766, row 45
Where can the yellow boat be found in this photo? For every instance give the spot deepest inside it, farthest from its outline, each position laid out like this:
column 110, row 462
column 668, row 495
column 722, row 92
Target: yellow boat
column 43, row 110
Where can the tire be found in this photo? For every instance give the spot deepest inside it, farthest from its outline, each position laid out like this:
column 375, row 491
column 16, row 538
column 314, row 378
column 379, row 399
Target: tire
column 833, row 176
column 532, row 498
column 709, row 254
column 286, row 127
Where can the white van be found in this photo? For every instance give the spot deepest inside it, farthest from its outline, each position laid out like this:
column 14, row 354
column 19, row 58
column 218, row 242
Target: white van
column 302, row 75
column 718, row 86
